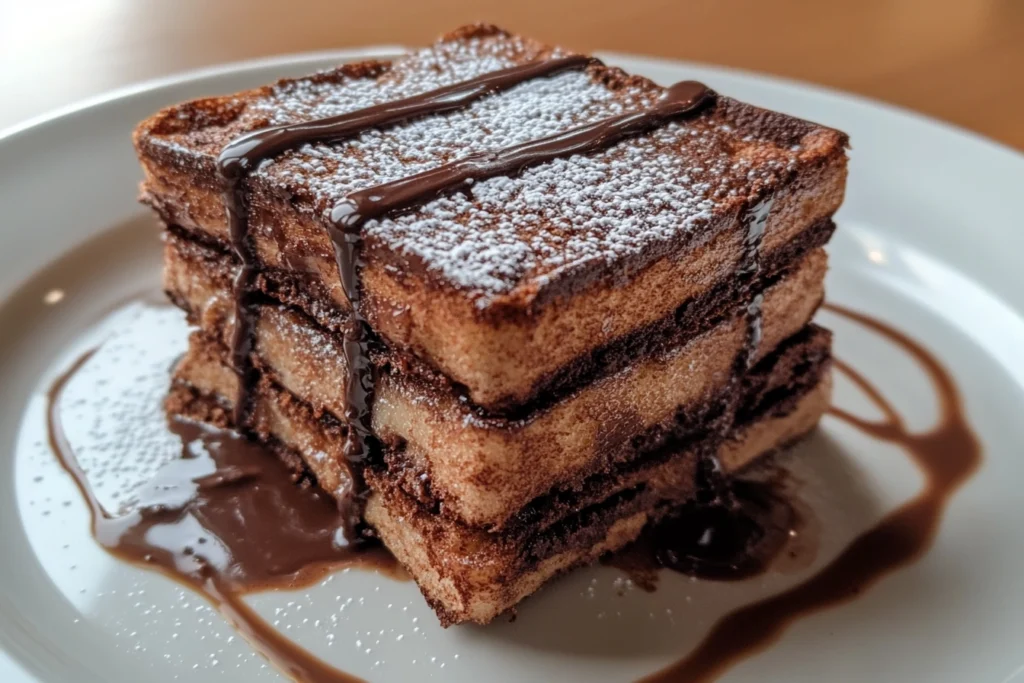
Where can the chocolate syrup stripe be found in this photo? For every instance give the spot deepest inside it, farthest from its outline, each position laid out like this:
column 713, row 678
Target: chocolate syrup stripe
column 243, row 155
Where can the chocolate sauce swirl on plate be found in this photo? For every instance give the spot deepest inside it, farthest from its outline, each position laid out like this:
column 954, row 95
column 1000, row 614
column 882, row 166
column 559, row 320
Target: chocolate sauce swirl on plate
column 947, row 454
column 351, row 213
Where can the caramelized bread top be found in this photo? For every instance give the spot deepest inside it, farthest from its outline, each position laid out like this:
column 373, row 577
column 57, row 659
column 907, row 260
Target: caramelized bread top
column 508, row 243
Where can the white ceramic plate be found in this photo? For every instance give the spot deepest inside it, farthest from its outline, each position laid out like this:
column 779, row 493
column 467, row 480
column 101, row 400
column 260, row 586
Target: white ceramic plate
column 930, row 239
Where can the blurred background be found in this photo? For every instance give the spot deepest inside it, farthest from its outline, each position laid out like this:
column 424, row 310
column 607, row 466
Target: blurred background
column 958, row 60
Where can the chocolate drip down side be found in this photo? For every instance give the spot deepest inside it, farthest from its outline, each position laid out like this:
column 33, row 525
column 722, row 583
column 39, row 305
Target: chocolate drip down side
column 716, row 489
column 244, row 154
column 754, row 220
column 349, row 216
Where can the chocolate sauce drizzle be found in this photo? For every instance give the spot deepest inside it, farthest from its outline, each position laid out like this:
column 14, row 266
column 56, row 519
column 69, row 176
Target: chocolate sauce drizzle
column 714, row 488
column 349, row 215
column 244, row 154
column 361, row 206
column 948, row 454
column 227, row 519
column 755, row 219
column 734, row 528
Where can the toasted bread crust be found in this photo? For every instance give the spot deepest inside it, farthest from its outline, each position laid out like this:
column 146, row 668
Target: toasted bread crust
column 504, row 346
column 470, row 574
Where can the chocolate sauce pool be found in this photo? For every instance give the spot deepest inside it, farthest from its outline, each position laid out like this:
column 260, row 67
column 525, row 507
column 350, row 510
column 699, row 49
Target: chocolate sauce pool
column 227, row 519
column 761, row 526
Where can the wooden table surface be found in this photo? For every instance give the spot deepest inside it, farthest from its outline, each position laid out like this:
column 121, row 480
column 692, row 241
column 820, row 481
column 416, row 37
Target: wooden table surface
column 958, row 60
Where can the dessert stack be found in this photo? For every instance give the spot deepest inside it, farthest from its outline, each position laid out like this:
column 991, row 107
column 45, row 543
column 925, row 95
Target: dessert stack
column 507, row 304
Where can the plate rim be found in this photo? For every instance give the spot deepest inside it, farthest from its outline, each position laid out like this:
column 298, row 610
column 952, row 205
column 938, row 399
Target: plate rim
column 394, row 50
column 179, row 77
column 11, row 667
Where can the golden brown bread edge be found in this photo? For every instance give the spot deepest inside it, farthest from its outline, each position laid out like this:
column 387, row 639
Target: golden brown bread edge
column 504, row 353
column 471, row 575
column 478, row 590
column 483, row 471
column 214, row 269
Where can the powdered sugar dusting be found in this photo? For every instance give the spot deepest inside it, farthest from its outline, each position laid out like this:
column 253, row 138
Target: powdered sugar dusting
column 543, row 224
column 573, row 211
